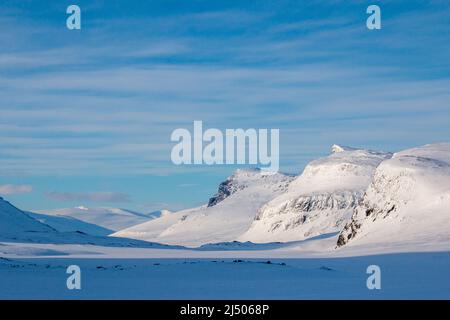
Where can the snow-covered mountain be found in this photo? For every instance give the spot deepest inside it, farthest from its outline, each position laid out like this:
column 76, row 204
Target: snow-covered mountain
column 408, row 201
column 158, row 213
column 226, row 216
column 373, row 199
column 19, row 225
column 321, row 200
column 110, row 218
column 16, row 224
column 70, row 224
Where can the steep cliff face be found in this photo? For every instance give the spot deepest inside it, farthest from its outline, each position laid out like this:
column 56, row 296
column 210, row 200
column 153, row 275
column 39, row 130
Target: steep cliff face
column 408, row 200
column 226, row 189
column 321, row 200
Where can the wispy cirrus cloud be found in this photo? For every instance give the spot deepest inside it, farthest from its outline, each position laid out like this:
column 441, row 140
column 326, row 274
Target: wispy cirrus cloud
column 10, row 189
column 89, row 196
column 105, row 100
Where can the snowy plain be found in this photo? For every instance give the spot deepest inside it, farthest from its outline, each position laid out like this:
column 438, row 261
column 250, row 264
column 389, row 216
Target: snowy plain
column 308, row 269
column 404, row 276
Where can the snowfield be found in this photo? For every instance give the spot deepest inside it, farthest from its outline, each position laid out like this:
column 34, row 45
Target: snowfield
column 404, row 276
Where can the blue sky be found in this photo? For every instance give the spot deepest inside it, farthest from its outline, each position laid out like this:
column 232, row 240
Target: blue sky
column 86, row 115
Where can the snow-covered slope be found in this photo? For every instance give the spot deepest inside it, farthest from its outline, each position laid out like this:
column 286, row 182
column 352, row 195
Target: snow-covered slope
column 154, row 228
column 70, row 224
column 158, row 214
column 109, row 218
column 17, row 226
column 408, row 201
column 15, row 223
column 226, row 216
column 321, row 200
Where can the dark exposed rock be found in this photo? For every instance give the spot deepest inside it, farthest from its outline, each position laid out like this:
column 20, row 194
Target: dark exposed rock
column 348, row 232
column 226, row 189
column 223, row 192
column 391, row 209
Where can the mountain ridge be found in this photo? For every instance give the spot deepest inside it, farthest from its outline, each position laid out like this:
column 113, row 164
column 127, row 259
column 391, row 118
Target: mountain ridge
column 220, row 220
column 407, row 200
column 320, row 200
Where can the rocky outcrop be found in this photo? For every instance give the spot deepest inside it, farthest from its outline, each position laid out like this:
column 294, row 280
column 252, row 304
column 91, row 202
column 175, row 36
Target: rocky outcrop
column 226, row 189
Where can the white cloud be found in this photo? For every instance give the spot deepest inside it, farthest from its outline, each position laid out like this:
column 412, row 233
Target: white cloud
column 95, row 109
column 9, row 189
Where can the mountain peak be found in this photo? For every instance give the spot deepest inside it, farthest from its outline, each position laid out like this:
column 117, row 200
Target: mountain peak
column 16, row 224
column 165, row 212
column 246, row 171
column 335, row 148
column 241, row 179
